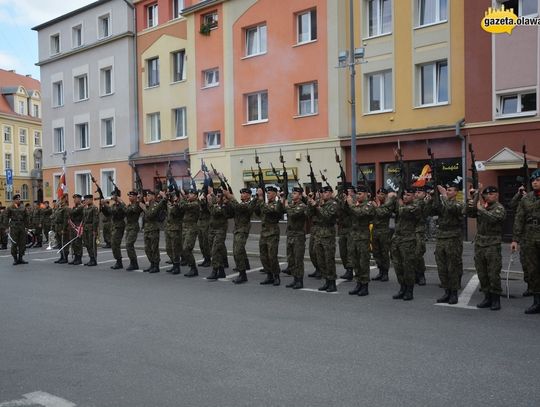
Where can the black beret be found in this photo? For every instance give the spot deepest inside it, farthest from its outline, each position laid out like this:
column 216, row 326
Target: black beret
column 535, row 174
column 452, row 185
column 420, row 189
column 409, row 190
column 271, row 189
column 192, row 191
column 149, row 192
column 361, row 188
column 489, row 189
column 382, row 191
column 77, row 196
column 245, row 191
column 298, row 189
column 327, row 189
column 132, row 193
column 89, row 196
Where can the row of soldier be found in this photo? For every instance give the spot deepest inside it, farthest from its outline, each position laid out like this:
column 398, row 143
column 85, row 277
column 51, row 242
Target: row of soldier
column 363, row 228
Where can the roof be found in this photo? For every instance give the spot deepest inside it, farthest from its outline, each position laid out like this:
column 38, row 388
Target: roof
column 12, row 80
column 70, row 14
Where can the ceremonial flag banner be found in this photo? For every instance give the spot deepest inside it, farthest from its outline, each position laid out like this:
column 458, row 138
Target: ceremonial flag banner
column 62, row 187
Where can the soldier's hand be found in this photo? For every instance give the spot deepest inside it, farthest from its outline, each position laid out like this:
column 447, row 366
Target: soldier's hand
column 514, row 247
column 442, row 190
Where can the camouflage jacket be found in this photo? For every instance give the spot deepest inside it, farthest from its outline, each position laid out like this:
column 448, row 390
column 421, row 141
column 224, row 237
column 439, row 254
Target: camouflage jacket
column 270, row 214
column 296, row 218
column 242, row 215
column 325, row 216
column 527, row 220
column 489, row 220
column 450, row 216
column 152, row 214
column 191, row 212
column 362, row 216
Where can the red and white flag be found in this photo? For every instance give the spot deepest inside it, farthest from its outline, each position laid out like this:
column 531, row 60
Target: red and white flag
column 62, row 187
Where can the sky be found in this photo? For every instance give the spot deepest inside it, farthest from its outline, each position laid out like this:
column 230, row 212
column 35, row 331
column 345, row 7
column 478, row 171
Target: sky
column 18, row 43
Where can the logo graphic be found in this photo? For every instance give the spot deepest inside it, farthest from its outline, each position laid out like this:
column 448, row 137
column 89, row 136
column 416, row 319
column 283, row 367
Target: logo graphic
column 497, row 21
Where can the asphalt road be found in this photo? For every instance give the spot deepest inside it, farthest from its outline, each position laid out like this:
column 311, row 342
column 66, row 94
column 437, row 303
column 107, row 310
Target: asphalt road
column 99, row 337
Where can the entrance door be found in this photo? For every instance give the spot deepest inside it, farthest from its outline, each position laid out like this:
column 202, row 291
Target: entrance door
column 508, row 186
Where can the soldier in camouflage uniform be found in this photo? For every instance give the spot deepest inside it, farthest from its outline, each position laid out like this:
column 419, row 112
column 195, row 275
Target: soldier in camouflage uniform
column 173, row 233
column 152, row 212
column 344, row 224
column 361, row 212
column 325, row 210
column 47, row 212
column 61, row 216
column 449, row 246
column 36, row 221
column 116, row 212
column 76, row 215
column 527, row 234
column 219, row 214
column 296, row 236
column 90, row 229
column 403, row 246
column 17, row 217
column 133, row 213
column 3, row 227
column 382, row 235
column 190, row 207
column 203, row 224
column 106, row 224
column 314, row 230
column 421, row 199
column 270, row 213
column 514, row 203
column 490, row 215
column 242, row 223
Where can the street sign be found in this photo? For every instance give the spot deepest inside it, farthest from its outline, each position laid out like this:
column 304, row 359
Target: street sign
column 9, row 187
column 9, row 176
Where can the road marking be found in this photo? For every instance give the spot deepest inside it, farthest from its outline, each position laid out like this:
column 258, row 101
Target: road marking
column 342, row 280
column 41, row 398
column 314, row 290
column 234, row 275
column 466, row 294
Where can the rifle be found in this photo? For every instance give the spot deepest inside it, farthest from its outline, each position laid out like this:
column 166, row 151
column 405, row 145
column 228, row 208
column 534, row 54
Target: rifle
column 433, row 165
column 342, row 174
column 193, row 183
column 98, row 188
column 474, row 171
column 275, row 173
column 366, row 182
column 159, row 183
column 173, row 186
column 295, row 177
column 138, row 182
column 285, row 185
column 402, row 176
column 224, row 185
column 260, row 175
column 325, row 179
column 312, row 179
column 207, row 179
column 525, row 168
column 116, row 190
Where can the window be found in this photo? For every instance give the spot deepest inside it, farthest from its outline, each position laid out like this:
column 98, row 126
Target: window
column 178, row 65
column 55, row 44
column 212, row 139
column 308, row 99
column 81, row 134
column 522, row 7
column 36, row 110
column 257, row 107
column 58, row 133
column 58, row 94
column 24, row 192
column 22, row 109
column 76, row 36
column 37, row 139
column 22, row 136
column 152, row 15
column 179, row 119
column 7, row 134
column 24, row 164
column 107, row 186
column 177, row 7
column 256, row 40
column 307, row 26
column 434, row 83
column 210, row 20
column 432, row 11
column 104, row 26
column 81, row 88
column 380, row 91
column 7, row 161
column 154, row 126
column 9, row 195
column 37, row 163
column 105, row 76
column 379, row 15
column 517, row 104
column 152, row 66
column 211, row 77
column 107, row 132
column 82, row 184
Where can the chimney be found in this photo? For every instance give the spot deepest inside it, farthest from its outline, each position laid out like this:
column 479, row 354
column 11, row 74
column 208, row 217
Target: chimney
column 28, row 75
column 12, row 71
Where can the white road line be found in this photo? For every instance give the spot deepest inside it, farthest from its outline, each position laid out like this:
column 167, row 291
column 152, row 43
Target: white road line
column 466, row 294
column 41, row 398
column 234, row 275
column 314, row 290
column 342, row 280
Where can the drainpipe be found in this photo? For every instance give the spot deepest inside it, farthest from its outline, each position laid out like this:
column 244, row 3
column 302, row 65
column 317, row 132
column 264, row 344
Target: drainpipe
column 459, row 124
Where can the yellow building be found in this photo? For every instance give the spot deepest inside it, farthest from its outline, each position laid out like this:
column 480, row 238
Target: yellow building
column 21, row 136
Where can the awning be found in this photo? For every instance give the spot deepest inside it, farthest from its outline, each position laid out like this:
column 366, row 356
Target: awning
column 507, row 159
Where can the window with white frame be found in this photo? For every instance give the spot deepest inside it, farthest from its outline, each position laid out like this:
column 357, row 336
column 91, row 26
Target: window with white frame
column 306, row 23
column 37, row 139
column 212, row 139
column 179, row 120
column 7, row 161
column 106, row 81
column 55, row 44
column 177, row 7
column 151, row 15
column 516, row 104
column 24, row 163
column 106, row 184
column 22, row 136
column 379, row 17
column 37, row 163
column 22, row 107
column 36, row 110
column 522, row 7
column 256, row 40
column 81, row 136
column 58, row 94
column 76, row 36
column 83, row 184
column 81, row 87
column 210, row 20
column 59, row 142
column 433, row 78
column 257, row 107
column 308, row 98
column 380, row 91
column 211, row 77
column 178, row 65
column 432, row 11
column 24, row 192
column 107, row 132
column 152, row 67
column 7, row 134
column 154, row 126
column 104, row 26
column 9, row 195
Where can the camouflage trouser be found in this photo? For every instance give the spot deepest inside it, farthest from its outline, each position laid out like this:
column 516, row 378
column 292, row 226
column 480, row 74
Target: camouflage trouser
column 3, row 237
column 488, row 264
column 189, row 236
column 404, row 260
column 325, row 249
column 312, row 253
column 39, row 234
column 173, row 244
column 268, row 249
column 89, row 241
column 107, row 232
column 18, row 234
column 296, row 248
column 77, row 244
column 419, row 252
column 151, row 246
column 116, row 241
column 531, row 255
column 448, row 255
column 239, row 250
column 359, row 253
column 46, row 229
column 131, row 238
column 216, row 239
column 380, row 246
column 344, row 241
column 62, row 237
column 203, row 239
column 526, row 277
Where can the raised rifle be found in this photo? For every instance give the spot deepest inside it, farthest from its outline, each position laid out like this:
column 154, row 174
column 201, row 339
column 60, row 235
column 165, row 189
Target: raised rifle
column 433, row 166
column 276, row 173
column 474, row 171
column 525, row 169
column 324, row 179
column 221, row 180
column 260, row 175
column 138, row 182
column 159, row 183
column 342, row 176
column 173, row 186
column 285, row 184
column 98, row 188
column 402, row 176
column 312, row 180
column 193, row 183
column 207, row 178
column 116, row 190
column 295, row 177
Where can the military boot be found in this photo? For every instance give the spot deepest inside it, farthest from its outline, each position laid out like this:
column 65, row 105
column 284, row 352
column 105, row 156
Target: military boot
column 325, row 286
column 331, row 287
column 269, row 279
column 132, row 266
column 363, row 291
column 248, row 266
column 444, row 299
column 154, row 269
column 38, row 245
column 535, row 308
column 205, row 263
column 221, row 273
column 58, row 260
column 213, row 275
column 146, row 270
column 292, row 284
column 400, row 293
column 176, row 269
column 421, row 278
column 316, row 274
column 408, row 294
column 16, row 261
column 486, row 303
column 193, row 272
column 118, row 265
column 356, row 289
column 277, row 280
column 21, row 260
column 348, row 275
column 384, row 275
column 226, row 264
column 63, row 259
column 453, row 299
column 286, row 271
column 77, row 261
column 242, row 278
column 92, row 262
column 495, row 302
column 299, row 284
